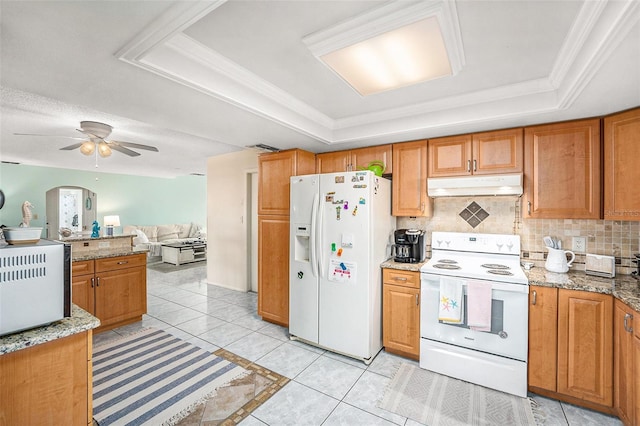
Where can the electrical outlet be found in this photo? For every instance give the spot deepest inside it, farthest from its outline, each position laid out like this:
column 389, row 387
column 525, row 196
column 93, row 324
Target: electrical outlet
column 579, row 244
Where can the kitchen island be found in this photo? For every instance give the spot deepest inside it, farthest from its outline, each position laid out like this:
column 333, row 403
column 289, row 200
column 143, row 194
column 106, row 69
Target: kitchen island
column 46, row 375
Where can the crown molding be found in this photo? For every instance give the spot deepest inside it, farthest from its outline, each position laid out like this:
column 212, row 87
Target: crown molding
column 163, row 49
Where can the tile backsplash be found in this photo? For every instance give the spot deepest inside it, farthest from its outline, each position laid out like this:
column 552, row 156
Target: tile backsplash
column 606, row 237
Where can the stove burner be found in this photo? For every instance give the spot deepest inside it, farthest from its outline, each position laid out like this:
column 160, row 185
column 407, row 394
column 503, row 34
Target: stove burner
column 449, row 261
column 499, row 272
column 494, row 266
column 446, row 266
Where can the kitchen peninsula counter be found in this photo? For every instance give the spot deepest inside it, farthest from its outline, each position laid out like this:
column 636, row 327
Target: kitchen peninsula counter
column 105, row 253
column 79, row 321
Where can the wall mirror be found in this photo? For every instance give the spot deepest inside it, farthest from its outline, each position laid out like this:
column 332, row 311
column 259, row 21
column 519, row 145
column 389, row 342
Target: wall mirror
column 71, row 207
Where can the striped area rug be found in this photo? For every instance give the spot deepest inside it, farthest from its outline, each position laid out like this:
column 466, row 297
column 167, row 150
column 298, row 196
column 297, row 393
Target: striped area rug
column 154, row 378
column 438, row 400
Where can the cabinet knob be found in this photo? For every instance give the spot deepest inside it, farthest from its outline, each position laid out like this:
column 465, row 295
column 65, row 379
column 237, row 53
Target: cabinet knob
column 417, row 300
column 92, row 281
column 535, row 297
column 123, row 262
column 529, row 207
column 400, row 278
column 468, row 165
column 475, row 165
column 98, row 282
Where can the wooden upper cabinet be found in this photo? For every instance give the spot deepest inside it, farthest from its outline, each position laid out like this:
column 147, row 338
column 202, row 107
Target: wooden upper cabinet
column 498, row 152
column 450, row 156
column 477, row 154
column 585, row 339
column 409, row 184
column 361, row 157
column 274, row 172
column 543, row 338
column 355, row 159
column 332, row 162
column 562, row 171
column 621, row 171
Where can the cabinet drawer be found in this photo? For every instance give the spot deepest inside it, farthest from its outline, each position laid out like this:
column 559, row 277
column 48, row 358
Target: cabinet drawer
column 82, row 267
column 120, row 262
column 401, row 278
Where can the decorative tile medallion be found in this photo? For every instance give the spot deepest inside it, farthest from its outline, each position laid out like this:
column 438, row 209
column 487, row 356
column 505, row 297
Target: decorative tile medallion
column 473, row 214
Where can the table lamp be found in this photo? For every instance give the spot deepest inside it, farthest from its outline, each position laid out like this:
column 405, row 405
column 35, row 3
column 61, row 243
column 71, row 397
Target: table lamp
column 110, row 222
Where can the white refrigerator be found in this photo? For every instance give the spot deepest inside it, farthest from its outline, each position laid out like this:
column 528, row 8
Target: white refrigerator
column 341, row 227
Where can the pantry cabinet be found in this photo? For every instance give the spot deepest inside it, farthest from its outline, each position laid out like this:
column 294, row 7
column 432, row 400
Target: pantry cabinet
column 409, row 184
column 585, row 339
column 570, row 341
column 401, row 312
column 621, row 171
column 112, row 289
column 543, row 338
column 500, row 151
column 623, row 362
column 274, row 174
column 562, row 171
column 273, row 269
column 354, row 159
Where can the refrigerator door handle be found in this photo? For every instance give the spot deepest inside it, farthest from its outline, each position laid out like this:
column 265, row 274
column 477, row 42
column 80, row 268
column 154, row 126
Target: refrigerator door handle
column 312, row 243
column 318, row 245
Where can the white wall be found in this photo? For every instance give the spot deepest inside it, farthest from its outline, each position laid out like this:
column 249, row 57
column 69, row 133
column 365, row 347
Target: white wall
column 227, row 240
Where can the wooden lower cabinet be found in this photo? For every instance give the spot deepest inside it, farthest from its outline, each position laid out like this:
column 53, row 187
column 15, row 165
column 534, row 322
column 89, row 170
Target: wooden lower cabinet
column 48, row 384
column 570, row 346
column 585, row 339
column 401, row 312
column 273, row 269
column 636, row 368
column 115, row 291
column 543, row 338
column 623, row 362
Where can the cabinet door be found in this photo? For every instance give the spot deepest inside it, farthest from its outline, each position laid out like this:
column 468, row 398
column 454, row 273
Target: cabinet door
column 562, row 171
column 273, row 268
column 498, row 152
column 332, row 162
column 82, row 292
column 401, row 320
column 363, row 156
column 409, row 184
column 120, row 295
column 585, row 339
column 621, row 171
column 543, row 337
column 623, row 362
column 450, row 156
column 274, row 171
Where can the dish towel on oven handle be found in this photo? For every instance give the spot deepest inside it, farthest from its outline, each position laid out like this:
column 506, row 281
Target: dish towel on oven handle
column 451, row 306
column 479, row 305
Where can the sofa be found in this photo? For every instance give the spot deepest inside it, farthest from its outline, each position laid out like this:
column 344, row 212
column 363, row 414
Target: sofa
column 151, row 237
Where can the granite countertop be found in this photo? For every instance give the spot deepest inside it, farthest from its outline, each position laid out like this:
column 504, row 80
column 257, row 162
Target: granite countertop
column 88, row 238
column 105, row 252
column 79, row 321
column 623, row 287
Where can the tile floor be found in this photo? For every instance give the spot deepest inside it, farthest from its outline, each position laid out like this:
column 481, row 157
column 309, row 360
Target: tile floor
column 325, row 388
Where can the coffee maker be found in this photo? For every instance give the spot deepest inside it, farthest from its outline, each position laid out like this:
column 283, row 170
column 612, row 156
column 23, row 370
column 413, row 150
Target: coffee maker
column 410, row 246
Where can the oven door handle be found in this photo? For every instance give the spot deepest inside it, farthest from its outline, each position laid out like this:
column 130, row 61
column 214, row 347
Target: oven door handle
column 434, row 280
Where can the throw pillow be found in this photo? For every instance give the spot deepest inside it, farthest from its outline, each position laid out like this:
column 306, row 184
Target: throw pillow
column 167, row 232
column 140, row 238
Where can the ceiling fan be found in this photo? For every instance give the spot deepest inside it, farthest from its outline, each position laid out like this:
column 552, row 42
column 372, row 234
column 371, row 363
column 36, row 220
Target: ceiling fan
column 95, row 141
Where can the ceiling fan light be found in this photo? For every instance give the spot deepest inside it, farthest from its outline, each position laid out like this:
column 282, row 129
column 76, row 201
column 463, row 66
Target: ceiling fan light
column 87, row 148
column 103, row 149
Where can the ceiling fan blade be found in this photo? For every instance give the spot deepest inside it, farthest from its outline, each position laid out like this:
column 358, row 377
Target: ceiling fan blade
column 90, row 135
column 50, row 136
column 70, row 147
column 122, row 149
column 135, row 145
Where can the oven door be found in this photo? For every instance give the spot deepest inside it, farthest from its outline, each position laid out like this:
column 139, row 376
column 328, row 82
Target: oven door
column 509, row 320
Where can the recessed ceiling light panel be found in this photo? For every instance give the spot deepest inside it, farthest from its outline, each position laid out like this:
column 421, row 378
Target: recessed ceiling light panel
column 393, row 46
column 398, row 58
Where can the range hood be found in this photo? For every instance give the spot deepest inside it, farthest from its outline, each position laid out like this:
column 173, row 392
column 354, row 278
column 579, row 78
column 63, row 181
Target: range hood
column 509, row 184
